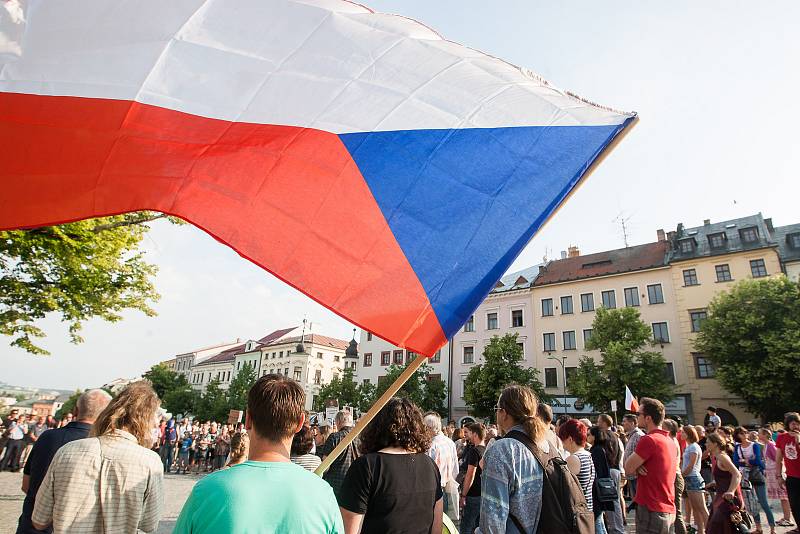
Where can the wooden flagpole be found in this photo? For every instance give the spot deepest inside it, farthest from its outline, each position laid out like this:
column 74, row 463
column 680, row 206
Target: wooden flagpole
column 366, row 418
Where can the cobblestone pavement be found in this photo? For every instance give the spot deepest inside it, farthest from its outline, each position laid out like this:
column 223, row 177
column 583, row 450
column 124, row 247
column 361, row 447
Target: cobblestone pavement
column 177, row 490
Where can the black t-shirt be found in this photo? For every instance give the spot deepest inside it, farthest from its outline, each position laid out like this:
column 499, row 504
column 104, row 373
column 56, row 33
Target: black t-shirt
column 395, row 492
column 473, row 457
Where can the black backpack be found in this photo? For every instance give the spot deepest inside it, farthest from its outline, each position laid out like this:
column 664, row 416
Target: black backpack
column 564, row 508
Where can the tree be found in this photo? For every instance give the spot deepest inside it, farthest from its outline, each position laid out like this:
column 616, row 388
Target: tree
column 501, row 367
column 426, row 392
column 240, row 386
column 621, row 337
column 80, row 270
column 752, row 336
column 345, row 390
column 213, row 404
column 163, row 379
column 69, row 405
column 181, row 400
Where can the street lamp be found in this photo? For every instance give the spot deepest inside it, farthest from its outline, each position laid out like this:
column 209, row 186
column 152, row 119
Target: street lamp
column 562, row 360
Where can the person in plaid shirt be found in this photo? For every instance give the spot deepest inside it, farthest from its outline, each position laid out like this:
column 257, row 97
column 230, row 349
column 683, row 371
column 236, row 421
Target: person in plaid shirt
column 338, row 469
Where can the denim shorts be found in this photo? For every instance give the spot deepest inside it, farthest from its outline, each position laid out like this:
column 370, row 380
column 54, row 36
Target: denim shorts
column 694, row 483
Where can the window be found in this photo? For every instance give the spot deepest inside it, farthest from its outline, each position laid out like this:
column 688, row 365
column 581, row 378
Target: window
column 369, row 336
column 317, row 376
column 398, row 357
column 469, row 326
column 690, row 277
column 669, row 373
column 521, row 349
column 587, row 335
column 336, row 358
column 436, row 376
column 463, row 385
column 749, row 235
column 687, row 245
column 717, row 240
column 587, row 302
column 660, row 333
column 566, row 305
column 549, row 342
column 280, row 354
column 569, row 340
column 550, row 377
column 547, row 307
column 239, row 365
column 516, row 318
column 367, row 359
column 491, row 321
column 703, row 366
column 723, row 273
column 365, row 381
column 697, row 318
column 319, row 355
column 609, row 299
column 469, row 355
column 298, row 373
column 758, row 268
column 631, row 296
column 410, row 356
column 655, row 295
column 385, row 358
column 436, row 358
column 571, row 372
column 793, row 240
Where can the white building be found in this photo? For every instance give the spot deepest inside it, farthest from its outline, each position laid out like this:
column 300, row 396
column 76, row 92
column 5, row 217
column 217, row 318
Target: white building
column 184, row 362
column 376, row 355
column 506, row 310
column 313, row 362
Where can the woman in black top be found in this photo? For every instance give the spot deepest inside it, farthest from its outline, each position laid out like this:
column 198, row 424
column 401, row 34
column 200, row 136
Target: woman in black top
column 394, row 487
column 605, row 454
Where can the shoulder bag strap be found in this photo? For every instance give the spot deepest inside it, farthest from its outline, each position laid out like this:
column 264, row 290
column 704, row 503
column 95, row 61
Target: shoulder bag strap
column 525, row 440
column 100, row 486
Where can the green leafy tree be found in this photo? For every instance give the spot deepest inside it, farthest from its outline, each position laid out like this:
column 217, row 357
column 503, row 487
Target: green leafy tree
column 240, row 386
column 69, row 405
column 213, row 404
column 343, row 389
column 181, row 400
column 163, row 379
column 502, row 359
column 622, row 339
column 366, row 396
column 752, row 336
column 80, row 270
column 426, row 392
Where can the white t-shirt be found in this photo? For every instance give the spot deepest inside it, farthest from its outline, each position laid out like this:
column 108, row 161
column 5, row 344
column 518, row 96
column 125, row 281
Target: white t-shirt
column 690, row 449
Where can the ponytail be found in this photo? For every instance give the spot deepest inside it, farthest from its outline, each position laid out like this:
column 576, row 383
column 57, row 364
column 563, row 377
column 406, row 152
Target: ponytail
column 521, row 404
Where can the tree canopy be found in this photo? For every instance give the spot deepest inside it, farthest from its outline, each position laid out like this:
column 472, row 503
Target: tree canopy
column 427, row 392
column 502, row 366
column 752, row 336
column 80, row 270
column 240, row 386
column 622, row 339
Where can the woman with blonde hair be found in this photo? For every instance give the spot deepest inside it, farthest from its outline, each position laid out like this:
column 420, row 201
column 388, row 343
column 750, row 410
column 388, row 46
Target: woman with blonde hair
column 240, row 449
column 111, row 481
column 692, row 462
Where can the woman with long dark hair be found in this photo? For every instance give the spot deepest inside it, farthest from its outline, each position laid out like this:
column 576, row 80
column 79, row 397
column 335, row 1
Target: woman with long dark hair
column 605, row 454
column 727, row 479
column 394, row 486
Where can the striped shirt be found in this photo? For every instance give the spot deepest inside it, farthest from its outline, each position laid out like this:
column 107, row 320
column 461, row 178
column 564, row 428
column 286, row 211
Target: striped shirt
column 109, row 484
column 310, row 462
column 586, row 475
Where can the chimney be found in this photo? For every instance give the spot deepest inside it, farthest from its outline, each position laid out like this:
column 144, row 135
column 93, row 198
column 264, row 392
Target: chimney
column 706, row 222
column 660, row 234
column 563, row 254
column 670, row 235
column 768, row 222
column 573, row 251
column 542, row 269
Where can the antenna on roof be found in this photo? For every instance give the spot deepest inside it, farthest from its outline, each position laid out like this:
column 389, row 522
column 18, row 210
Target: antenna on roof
column 623, row 221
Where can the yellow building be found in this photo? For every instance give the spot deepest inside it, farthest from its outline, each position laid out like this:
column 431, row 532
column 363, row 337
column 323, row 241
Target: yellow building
column 566, row 294
column 705, row 261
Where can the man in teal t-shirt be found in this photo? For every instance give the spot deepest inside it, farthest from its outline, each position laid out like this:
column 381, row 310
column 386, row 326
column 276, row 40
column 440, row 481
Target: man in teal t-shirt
column 267, row 493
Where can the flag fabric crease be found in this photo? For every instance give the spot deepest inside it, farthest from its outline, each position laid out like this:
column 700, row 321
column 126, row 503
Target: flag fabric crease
column 389, row 174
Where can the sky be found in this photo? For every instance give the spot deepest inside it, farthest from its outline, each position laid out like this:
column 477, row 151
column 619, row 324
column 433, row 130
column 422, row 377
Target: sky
column 715, row 85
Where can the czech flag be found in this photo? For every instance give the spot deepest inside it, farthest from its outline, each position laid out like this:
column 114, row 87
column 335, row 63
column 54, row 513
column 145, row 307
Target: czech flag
column 631, row 404
column 387, row 173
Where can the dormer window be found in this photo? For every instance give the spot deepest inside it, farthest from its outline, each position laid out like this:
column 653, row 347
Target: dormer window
column 717, row 240
column 686, row 245
column 793, row 240
column 749, row 235
column 250, row 346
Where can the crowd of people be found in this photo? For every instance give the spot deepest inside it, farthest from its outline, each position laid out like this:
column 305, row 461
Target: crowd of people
column 104, row 470
column 18, row 433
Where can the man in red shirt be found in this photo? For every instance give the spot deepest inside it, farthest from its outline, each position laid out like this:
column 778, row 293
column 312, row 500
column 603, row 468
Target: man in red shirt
column 789, row 453
column 654, row 464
